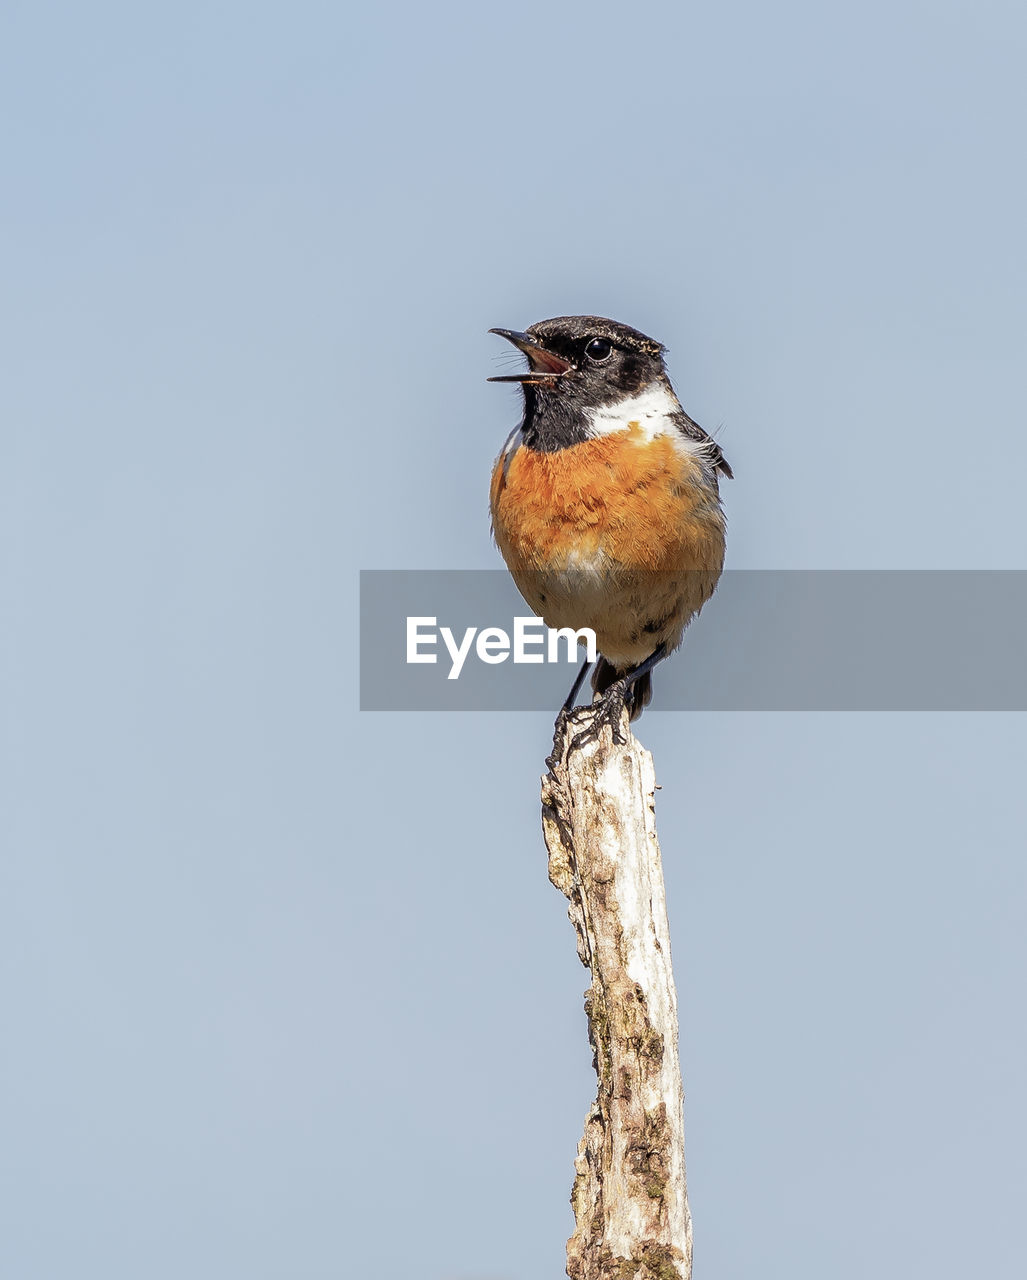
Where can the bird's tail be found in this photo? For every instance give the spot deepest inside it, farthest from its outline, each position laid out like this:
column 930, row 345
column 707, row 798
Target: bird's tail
column 640, row 693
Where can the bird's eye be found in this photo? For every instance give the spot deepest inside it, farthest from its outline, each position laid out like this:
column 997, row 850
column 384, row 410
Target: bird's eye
column 598, row 350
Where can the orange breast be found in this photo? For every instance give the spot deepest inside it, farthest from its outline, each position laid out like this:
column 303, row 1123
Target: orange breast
column 621, row 498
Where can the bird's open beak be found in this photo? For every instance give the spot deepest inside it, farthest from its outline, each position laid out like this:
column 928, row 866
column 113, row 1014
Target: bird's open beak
column 546, row 367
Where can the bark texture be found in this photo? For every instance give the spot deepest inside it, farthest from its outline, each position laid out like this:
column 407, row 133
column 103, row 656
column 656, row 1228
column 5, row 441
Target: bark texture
column 629, row 1197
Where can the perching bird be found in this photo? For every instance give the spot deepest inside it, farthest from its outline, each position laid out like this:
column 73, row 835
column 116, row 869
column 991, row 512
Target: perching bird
column 605, row 500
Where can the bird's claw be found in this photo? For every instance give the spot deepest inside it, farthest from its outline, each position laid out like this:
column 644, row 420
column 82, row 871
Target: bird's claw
column 606, row 711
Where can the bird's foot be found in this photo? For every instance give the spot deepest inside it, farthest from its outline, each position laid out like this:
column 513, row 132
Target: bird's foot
column 559, row 735
column 607, row 711
column 565, row 740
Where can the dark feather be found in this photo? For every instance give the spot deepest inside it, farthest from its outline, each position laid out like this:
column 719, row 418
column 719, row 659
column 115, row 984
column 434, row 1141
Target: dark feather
column 713, row 451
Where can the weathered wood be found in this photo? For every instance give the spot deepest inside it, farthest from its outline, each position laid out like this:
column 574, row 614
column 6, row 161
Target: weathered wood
column 629, row 1197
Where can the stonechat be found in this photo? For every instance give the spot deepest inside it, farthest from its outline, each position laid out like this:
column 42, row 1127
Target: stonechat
column 605, row 501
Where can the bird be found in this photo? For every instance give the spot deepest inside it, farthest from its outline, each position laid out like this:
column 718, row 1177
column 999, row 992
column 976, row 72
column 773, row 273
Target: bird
column 605, row 502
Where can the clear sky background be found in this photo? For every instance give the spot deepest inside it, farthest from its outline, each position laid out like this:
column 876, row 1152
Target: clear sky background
column 287, row 995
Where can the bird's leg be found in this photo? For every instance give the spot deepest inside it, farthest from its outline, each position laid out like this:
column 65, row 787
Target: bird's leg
column 560, row 728
column 609, row 706
column 568, row 706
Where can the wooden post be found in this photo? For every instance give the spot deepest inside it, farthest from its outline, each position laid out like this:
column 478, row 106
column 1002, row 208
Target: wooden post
column 629, row 1197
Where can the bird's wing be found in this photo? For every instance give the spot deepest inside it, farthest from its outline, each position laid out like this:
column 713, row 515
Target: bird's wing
column 713, row 451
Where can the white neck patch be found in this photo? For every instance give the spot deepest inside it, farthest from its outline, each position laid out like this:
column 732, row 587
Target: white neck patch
column 652, row 409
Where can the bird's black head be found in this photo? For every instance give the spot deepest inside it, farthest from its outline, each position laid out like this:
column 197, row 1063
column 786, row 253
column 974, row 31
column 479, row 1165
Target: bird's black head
column 578, row 363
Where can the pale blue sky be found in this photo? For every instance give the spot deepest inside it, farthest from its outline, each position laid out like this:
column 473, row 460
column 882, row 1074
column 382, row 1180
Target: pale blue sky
column 270, row 965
